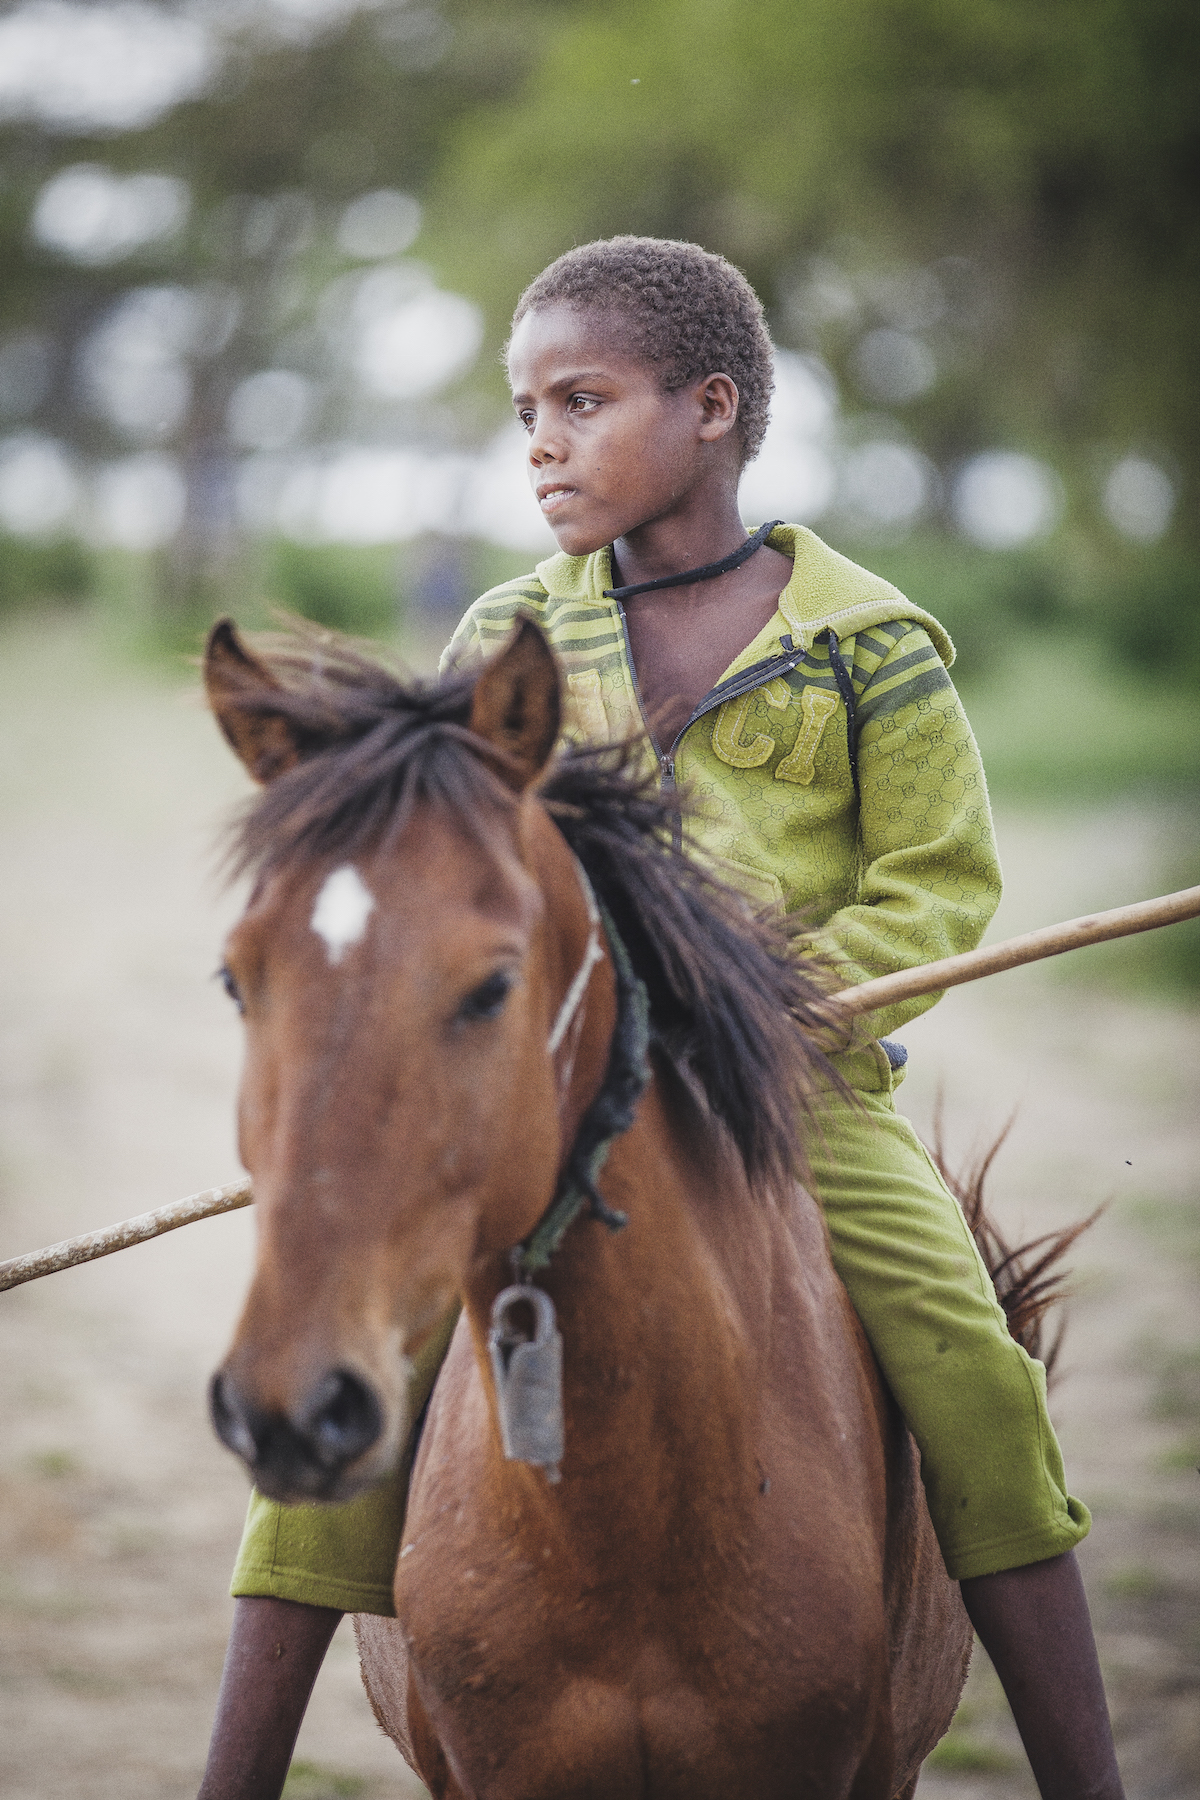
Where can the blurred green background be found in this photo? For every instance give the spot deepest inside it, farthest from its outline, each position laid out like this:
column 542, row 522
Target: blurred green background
column 259, row 258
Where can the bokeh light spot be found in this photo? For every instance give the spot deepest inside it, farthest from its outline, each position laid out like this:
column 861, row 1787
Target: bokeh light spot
column 416, row 347
column 1003, row 499
column 139, row 502
column 39, row 489
column 99, row 67
column 270, row 409
column 1139, row 499
column 893, row 367
column 93, row 216
column 885, row 485
column 382, row 223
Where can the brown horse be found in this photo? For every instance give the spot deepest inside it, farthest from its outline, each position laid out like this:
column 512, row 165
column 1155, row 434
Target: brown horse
column 734, row 1589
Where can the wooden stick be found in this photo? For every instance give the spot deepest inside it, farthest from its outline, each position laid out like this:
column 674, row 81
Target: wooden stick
column 1051, row 940
column 885, row 990
column 119, row 1237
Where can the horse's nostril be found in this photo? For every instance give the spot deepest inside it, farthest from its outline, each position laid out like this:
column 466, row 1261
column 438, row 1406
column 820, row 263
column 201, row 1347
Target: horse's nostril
column 229, row 1421
column 342, row 1419
column 304, row 1454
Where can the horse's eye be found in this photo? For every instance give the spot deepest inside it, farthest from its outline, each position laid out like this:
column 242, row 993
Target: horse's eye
column 487, row 1000
column 228, row 981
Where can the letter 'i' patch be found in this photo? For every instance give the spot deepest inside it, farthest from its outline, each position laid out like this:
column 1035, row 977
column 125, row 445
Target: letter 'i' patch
column 817, row 707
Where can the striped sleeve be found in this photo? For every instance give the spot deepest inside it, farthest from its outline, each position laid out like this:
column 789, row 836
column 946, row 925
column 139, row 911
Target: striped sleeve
column 895, row 665
column 487, row 621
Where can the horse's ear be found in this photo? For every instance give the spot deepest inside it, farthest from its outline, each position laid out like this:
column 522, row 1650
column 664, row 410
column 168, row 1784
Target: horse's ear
column 517, row 704
column 238, row 685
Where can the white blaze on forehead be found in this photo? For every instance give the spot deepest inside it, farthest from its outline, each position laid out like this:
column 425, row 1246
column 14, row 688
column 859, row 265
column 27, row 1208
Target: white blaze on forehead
column 343, row 907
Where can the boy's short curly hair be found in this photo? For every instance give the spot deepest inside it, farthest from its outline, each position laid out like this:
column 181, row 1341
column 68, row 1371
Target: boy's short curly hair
column 681, row 307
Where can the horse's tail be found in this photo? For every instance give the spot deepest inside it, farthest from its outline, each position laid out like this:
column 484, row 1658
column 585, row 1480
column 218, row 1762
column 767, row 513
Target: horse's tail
column 1029, row 1278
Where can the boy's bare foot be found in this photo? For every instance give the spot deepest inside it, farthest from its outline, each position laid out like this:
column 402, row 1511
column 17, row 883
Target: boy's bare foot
column 1035, row 1625
column 275, row 1650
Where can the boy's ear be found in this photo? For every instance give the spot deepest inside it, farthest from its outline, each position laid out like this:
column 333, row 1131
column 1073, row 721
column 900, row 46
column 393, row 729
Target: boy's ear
column 719, row 401
column 239, row 687
column 517, row 705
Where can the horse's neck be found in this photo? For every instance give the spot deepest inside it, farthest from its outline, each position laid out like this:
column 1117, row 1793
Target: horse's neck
column 668, row 1327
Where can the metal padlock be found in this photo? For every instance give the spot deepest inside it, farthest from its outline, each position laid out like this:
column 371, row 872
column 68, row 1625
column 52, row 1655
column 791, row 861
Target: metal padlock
column 528, row 1376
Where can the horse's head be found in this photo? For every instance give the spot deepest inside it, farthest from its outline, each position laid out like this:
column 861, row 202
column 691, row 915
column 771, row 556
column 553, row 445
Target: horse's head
column 416, row 924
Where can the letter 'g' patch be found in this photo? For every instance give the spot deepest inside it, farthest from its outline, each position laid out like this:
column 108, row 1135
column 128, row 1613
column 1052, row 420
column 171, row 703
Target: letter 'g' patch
column 817, row 707
column 731, row 722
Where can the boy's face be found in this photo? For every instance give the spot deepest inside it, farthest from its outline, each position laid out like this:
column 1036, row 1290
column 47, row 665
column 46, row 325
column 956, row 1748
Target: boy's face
column 608, row 449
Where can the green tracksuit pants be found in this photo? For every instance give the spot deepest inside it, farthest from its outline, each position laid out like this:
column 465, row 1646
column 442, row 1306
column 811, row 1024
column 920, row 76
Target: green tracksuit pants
column 974, row 1401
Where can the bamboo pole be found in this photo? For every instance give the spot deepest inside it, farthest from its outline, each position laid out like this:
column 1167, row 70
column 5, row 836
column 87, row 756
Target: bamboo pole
column 868, row 996
column 1032, row 946
column 146, row 1225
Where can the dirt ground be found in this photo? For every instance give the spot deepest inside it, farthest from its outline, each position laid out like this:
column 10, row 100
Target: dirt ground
column 120, row 1514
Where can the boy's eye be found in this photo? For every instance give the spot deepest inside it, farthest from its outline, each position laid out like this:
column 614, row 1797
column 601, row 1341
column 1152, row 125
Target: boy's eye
column 580, row 403
column 527, row 418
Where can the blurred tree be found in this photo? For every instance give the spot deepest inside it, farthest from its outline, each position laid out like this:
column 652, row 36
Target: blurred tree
column 271, row 153
column 1011, row 187
column 981, row 214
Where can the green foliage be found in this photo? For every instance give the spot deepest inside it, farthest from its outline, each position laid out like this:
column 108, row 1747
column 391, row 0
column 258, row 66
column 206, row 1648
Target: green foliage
column 1013, row 182
column 54, row 1464
column 1143, row 605
column 1149, row 607
column 350, row 588
column 1135, row 1583
column 1166, row 961
column 309, row 1781
column 1058, row 718
column 1178, row 1391
column 31, row 572
column 961, row 1754
column 1052, row 148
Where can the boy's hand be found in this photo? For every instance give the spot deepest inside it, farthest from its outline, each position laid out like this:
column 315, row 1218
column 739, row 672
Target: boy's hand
column 275, row 1650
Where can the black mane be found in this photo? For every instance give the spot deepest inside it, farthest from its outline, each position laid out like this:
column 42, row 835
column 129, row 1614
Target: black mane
column 732, row 1006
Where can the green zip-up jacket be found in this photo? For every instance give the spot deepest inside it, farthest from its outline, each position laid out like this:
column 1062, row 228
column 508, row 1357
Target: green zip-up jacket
column 894, row 870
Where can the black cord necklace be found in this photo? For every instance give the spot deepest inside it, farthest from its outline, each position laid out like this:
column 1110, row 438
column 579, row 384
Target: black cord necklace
column 709, row 572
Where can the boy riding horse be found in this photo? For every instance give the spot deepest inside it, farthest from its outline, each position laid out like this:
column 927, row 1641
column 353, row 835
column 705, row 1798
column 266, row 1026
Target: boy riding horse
column 805, row 706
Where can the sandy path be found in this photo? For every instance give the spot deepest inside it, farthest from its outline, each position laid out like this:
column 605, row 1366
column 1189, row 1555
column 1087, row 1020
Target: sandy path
column 118, row 1059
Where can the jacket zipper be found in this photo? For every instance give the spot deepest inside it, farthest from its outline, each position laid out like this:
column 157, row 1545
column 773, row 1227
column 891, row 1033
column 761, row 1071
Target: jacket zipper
column 733, row 689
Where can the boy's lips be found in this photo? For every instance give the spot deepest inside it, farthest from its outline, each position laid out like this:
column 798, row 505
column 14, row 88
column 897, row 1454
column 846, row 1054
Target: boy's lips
column 552, row 494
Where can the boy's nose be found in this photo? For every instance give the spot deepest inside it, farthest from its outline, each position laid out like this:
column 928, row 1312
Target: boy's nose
column 543, row 447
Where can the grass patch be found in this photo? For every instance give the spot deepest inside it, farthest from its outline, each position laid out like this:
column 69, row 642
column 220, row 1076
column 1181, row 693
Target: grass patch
column 1178, row 1392
column 961, row 1754
column 309, row 1781
column 1071, row 722
column 1134, row 1583
column 1172, row 1223
column 55, row 1465
column 89, row 1684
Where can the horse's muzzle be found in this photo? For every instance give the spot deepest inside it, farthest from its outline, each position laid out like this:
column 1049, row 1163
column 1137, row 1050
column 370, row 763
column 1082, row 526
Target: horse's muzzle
column 303, row 1455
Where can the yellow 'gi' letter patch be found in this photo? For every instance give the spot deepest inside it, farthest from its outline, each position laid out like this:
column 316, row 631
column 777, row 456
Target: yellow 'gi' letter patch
column 817, row 707
column 731, row 722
